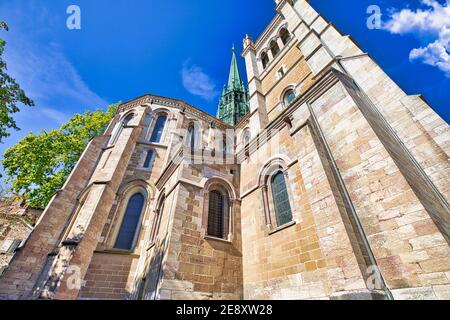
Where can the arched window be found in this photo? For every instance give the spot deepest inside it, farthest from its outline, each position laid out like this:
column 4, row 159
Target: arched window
column 217, row 214
column 289, row 96
column 127, row 120
column 224, row 146
column 285, row 36
column 158, row 130
column 119, row 128
column 280, row 196
column 274, row 48
column 130, row 223
column 264, row 59
column 247, row 136
column 192, row 139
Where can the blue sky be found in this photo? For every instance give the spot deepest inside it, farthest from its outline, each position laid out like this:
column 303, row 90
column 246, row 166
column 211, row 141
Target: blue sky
column 182, row 49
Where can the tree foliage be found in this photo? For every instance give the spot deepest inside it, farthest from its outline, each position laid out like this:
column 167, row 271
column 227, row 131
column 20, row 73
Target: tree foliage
column 38, row 165
column 10, row 94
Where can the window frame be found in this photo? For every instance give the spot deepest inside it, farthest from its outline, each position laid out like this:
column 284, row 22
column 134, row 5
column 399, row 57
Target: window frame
column 120, row 125
column 246, row 133
column 285, row 31
column 274, row 200
column 196, row 135
column 272, row 168
column 223, row 215
column 273, row 45
column 151, row 161
column 286, row 95
column 222, row 186
column 265, row 59
column 121, row 211
column 153, row 124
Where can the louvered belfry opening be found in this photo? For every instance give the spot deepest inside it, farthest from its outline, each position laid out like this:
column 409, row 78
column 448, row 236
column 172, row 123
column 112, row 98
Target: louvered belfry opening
column 216, row 214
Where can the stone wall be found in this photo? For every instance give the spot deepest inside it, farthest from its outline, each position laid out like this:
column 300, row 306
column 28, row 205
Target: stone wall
column 16, row 223
column 108, row 276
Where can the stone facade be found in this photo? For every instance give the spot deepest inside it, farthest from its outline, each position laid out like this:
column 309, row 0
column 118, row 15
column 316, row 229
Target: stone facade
column 16, row 223
column 365, row 166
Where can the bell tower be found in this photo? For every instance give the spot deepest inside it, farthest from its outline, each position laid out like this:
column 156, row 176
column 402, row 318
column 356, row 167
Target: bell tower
column 233, row 105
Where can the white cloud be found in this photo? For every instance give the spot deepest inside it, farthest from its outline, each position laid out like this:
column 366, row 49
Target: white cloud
column 42, row 70
column 436, row 53
column 54, row 115
column 47, row 76
column 433, row 21
column 198, row 83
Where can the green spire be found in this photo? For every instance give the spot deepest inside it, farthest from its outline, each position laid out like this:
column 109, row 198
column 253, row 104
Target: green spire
column 234, row 80
column 233, row 105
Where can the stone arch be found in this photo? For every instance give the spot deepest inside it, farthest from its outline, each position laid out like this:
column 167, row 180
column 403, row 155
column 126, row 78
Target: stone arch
column 282, row 32
column 275, row 165
column 224, row 187
column 123, row 195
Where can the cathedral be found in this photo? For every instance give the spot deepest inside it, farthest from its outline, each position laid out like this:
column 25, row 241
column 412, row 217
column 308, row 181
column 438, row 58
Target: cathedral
column 320, row 178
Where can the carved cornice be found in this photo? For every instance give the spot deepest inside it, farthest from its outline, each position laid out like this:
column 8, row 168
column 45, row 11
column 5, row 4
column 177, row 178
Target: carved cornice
column 173, row 103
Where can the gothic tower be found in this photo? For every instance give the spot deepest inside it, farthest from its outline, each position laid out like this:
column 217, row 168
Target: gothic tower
column 233, row 105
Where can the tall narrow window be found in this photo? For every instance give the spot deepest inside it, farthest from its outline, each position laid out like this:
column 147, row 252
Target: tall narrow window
column 158, row 129
column 149, row 159
column 274, row 48
column 281, row 199
column 247, row 137
column 119, row 128
column 157, row 219
column 130, row 222
column 127, row 120
column 216, row 214
column 224, row 146
column 285, row 36
column 264, row 59
column 192, row 138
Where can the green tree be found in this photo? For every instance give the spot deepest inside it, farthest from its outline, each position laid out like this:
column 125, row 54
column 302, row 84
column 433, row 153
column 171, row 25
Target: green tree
column 10, row 95
column 38, row 165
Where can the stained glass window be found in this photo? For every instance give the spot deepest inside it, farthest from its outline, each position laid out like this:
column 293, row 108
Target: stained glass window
column 281, row 199
column 130, row 222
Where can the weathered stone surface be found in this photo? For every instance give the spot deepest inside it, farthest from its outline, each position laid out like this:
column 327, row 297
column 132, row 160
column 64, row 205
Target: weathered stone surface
column 366, row 171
